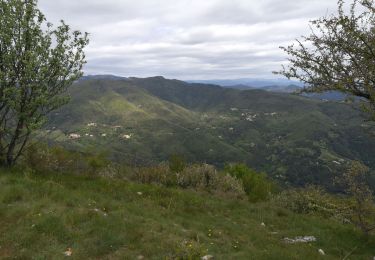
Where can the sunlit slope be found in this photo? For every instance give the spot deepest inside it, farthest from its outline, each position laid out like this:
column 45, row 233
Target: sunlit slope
column 143, row 121
column 46, row 216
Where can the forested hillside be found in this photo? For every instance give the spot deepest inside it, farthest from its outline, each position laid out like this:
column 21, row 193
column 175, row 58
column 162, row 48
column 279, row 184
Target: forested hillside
column 294, row 139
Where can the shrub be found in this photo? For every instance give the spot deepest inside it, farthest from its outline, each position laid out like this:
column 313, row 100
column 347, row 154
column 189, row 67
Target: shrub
column 160, row 174
column 97, row 162
column 356, row 207
column 62, row 160
column 362, row 210
column 42, row 158
column 34, row 156
column 177, row 163
column 111, row 171
column 228, row 184
column 313, row 200
column 256, row 185
column 199, row 177
column 206, row 177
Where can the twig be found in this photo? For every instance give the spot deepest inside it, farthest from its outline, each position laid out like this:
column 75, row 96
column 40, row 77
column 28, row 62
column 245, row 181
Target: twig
column 351, row 252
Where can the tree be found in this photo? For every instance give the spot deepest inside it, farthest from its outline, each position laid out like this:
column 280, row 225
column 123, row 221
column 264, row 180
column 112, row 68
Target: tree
column 37, row 65
column 339, row 54
column 362, row 210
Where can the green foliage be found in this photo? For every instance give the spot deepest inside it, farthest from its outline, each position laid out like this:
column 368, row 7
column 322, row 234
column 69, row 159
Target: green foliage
column 41, row 158
column 362, row 209
column 199, row 177
column 160, row 174
column 298, row 145
column 356, row 207
column 98, row 162
column 38, row 64
column 256, row 185
column 42, row 215
column 313, row 200
column 206, row 177
column 189, row 250
column 339, row 53
column 177, row 163
column 202, row 176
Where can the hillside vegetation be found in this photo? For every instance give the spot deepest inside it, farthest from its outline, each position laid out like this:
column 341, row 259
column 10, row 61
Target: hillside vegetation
column 135, row 121
column 46, row 216
column 107, row 167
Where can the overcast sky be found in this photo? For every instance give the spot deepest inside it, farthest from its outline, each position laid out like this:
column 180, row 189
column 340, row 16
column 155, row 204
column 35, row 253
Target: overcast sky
column 187, row 39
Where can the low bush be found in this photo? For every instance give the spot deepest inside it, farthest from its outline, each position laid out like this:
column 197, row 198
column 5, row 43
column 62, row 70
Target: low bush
column 313, row 200
column 355, row 206
column 206, row 177
column 236, row 180
column 43, row 158
column 199, row 177
column 177, row 163
column 160, row 174
column 256, row 185
column 97, row 162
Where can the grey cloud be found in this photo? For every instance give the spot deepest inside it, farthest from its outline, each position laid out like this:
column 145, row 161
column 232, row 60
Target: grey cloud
column 187, row 39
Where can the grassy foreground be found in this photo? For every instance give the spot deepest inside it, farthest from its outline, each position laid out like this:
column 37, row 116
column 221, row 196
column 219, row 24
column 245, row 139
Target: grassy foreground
column 41, row 216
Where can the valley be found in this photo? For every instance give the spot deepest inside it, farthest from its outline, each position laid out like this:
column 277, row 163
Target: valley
column 294, row 139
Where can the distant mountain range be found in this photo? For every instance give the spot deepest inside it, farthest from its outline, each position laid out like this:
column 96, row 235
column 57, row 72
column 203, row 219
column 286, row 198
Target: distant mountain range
column 295, row 139
column 102, row 77
column 275, row 85
column 271, row 85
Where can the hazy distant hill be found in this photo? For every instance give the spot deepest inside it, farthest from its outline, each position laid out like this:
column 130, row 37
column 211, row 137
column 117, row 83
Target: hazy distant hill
column 143, row 121
column 103, row 77
column 275, row 85
column 329, row 95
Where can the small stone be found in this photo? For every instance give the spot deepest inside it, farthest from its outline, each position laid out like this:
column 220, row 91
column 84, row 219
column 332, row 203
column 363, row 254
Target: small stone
column 127, row 137
column 140, row 257
column 68, row 252
column 263, row 225
column 305, row 239
column 321, row 252
column 207, row 257
column 140, row 193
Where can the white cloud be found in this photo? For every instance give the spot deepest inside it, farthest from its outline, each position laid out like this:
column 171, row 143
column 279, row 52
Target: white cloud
column 187, row 39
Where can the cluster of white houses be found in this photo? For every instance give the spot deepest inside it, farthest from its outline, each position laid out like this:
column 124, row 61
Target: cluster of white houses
column 75, row 136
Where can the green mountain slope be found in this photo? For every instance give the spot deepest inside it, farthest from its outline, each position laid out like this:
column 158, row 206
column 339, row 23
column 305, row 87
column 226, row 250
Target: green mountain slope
column 143, row 121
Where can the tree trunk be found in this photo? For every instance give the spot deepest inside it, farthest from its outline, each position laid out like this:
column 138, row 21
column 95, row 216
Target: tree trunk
column 10, row 157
